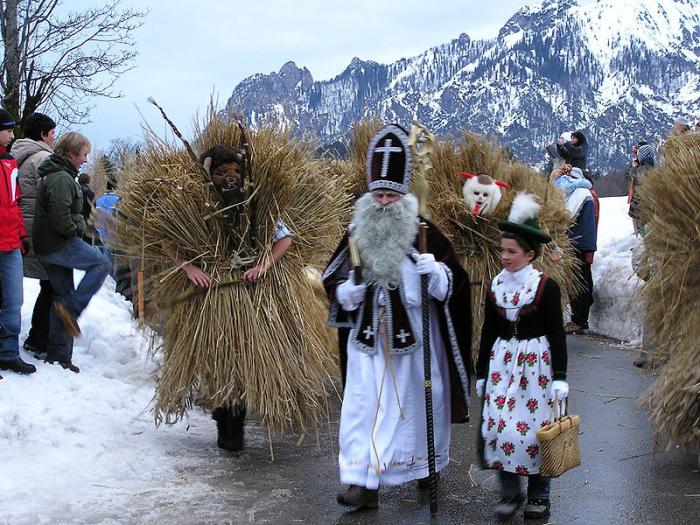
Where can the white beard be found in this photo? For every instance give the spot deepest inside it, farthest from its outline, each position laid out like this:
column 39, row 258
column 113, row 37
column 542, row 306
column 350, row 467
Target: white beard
column 384, row 235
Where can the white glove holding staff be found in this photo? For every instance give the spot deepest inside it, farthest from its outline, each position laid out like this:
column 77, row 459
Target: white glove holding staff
column 560, row 390
column 425, row 264
column 349, row 294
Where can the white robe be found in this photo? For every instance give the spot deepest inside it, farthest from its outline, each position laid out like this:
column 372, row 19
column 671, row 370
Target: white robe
column 380, row 443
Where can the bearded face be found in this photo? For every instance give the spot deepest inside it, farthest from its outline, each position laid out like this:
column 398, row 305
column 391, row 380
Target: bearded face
column 384, row 234
column 481, row 194
column 228, row 180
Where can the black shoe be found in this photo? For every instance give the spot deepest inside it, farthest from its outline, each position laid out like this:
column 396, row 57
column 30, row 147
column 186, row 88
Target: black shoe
column 424, row 483
column 230, row 434
column 359, row 497
column 536, row 509
column 66, row 365
column 38, row 353
column 17, row 365
column 507, row 508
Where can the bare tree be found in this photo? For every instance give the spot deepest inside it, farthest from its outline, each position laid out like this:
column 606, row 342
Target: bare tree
column 57, row 59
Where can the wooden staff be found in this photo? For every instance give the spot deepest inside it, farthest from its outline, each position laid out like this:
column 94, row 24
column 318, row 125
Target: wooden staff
column 421, row 142
column 355, row 261
column 140, row 298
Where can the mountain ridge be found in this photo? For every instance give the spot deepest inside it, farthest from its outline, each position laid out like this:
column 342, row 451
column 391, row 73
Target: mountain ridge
column 620, row 71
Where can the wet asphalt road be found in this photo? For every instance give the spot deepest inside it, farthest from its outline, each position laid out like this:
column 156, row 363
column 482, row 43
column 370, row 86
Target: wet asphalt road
column 622, row 478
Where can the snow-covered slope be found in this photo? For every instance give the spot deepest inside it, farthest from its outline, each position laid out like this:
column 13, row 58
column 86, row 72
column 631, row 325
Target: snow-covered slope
column 620, row 70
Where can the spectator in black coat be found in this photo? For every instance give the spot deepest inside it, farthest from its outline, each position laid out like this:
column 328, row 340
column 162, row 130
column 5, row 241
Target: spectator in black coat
column 574, row 151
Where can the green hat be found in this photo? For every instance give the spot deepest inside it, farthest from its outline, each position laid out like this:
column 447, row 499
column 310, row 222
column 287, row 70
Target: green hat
column 530, row 230
column 522, row 220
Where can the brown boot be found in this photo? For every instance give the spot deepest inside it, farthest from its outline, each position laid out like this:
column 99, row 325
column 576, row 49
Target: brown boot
column 573, row 329
column 70, row 366
column 66, row 365
column 359, row 497
column 69, row 322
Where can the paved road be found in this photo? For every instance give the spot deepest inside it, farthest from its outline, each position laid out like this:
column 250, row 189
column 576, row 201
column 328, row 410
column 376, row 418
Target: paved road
column 621, row 480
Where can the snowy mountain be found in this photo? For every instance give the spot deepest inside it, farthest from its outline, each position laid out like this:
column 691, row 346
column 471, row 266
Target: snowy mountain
column 619, row 70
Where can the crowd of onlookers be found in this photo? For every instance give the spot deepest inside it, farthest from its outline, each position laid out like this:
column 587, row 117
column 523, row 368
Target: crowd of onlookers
column 43, row 233
column 570, row 173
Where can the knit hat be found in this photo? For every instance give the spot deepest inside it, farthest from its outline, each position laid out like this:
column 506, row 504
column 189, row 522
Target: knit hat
column 6, row 120
column 681, row 121
column 576, row 173
column 522, row 220
column 645, row 153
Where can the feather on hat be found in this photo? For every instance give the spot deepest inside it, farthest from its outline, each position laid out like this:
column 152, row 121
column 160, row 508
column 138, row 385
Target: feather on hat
column 522, row 219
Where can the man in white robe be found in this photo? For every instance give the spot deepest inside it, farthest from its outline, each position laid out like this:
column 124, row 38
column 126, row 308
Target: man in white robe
column 383, row 420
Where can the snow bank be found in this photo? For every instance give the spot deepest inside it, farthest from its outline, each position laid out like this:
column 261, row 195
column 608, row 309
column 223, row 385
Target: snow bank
column 74, row 441
column 616, row 312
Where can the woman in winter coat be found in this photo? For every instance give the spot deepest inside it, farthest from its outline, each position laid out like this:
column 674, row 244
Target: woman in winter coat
column 29, row 152
column 522, row 362
column 574, row 151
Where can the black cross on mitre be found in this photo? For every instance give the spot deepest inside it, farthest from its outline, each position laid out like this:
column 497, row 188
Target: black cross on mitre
column 389, row 160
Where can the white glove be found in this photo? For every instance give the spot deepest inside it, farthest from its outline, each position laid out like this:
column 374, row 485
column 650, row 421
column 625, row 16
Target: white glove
column 560, row 390
column 480, row 383
column 425, row 264
column 350, row 295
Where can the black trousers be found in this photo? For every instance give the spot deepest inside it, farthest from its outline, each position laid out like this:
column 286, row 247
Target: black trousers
column 38, row 336
column 581, row 303
column 233, row 416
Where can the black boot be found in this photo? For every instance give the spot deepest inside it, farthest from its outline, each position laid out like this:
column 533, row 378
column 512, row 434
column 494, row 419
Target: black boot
column 508, row 506
column 229, row 428
column 35, row 350
column 536, row 509
column 359, row 497
column 17, row 365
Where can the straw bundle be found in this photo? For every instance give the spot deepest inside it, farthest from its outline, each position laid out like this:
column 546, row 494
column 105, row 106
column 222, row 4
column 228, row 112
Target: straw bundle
column 476, row 240
column 264, row 344
column 670, row 206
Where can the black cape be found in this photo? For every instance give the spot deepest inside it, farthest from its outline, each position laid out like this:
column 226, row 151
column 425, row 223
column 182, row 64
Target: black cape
column 454, row 315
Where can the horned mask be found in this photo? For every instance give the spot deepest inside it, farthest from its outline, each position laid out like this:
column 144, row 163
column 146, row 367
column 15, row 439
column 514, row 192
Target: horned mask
column 482, row 193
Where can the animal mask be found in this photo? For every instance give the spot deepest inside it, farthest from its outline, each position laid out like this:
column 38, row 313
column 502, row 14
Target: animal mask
column 482, row 193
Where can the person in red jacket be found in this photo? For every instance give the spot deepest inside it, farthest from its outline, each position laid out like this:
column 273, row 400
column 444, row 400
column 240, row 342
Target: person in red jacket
column 13, row 242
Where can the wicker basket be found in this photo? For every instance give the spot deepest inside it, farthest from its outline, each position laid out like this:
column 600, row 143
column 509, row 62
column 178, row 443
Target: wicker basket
column 559, row 450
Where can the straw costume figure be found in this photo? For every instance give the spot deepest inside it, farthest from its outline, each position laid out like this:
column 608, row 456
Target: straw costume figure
column 376, row 304
column 228, row 238
column 669, row 200
column 474, row 236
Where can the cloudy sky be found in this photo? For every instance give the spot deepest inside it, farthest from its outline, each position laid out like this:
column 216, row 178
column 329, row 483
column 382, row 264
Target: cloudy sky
column 191, row 49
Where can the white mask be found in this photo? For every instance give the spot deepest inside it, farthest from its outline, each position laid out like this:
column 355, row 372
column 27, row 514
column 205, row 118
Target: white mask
column 481, row 193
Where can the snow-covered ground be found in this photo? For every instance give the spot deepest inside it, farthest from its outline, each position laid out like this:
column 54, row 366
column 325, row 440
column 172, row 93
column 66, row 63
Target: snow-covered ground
column 71, row 442
column 74, row 442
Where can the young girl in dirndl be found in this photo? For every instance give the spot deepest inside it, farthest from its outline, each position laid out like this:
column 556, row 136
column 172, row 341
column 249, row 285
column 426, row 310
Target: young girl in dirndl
column 522, row 362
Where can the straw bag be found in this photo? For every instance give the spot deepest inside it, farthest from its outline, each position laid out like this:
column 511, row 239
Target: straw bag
column 559, row 450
